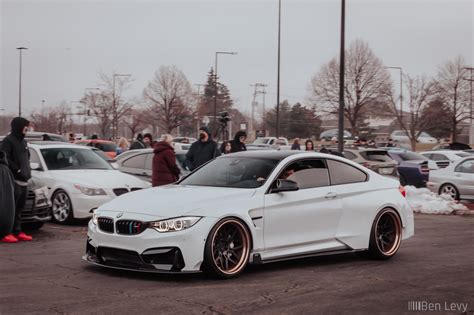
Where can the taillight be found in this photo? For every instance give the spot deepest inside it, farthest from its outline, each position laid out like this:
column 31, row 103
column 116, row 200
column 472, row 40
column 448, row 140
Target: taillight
column 402, row 191
column 424, row 169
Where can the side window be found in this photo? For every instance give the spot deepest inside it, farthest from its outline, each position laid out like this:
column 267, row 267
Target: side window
column 342, row 173
column 307, row 173
column 350, row 155
column 428, row 156
column 137, row 161
column 466, row 167
column 438, row 157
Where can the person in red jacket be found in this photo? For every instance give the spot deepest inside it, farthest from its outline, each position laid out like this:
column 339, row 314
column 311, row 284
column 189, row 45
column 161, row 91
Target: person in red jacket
column 164, row 169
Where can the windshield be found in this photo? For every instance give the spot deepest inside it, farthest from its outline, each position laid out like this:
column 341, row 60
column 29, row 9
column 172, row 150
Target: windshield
column 73, row 159
column 235, row 172
column 410, row 156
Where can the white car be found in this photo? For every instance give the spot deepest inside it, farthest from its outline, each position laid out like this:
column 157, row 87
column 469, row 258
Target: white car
column 444, row 158
column 456, row 180
column 401, row 136
column 252, row 207
column 78, row 180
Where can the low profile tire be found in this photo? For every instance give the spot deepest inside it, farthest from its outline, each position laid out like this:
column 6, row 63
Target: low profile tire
column 385, row 235
column 62, row 207
column 32, row 226
column 227, row 249
column 450, row 190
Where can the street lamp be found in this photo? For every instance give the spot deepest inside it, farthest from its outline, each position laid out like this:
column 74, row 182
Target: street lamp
column 340, row 135
column 471, row 129
column 401, row 90
column 19, row 90
column 278, row 74
column 215, row 86
column 115, row 122
column 84, row 131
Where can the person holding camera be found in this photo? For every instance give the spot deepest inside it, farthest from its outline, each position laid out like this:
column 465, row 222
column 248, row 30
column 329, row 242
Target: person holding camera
column 203, row 150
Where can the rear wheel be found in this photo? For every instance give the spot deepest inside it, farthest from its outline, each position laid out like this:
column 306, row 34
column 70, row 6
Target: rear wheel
column 62, row 207
column 386, row 235
column 449, row 190
column 227, row 249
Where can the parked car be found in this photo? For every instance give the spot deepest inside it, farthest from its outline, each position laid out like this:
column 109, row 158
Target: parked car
column 272, row 143
column 246, row 208
column 452, row 146
column 106, row 158
column 184, row 140
column 401, row 137
column 109, row 147
column 455, row 180
column 444, row 158
column 78, row 179
column 38, row 136
column 375, row 159
column 413, row 168
column 37, row 209
column 139, row 163
column 329, row 134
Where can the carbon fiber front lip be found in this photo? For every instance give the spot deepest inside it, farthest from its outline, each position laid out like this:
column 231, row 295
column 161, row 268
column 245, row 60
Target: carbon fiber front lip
column 88, row 259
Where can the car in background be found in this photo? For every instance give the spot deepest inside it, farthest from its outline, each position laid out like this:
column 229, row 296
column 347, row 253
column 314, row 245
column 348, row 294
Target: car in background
column 106, row 158
column 375, row 159
column 458, row 146
column 40, row 136
column 413, row 168
column 37, row 208
column 444, row 158
column 401, row 137
column 255, row 147
column 78, row 180
column 139, row 163
column 329, row 134
column 109, row 147
column 280, row 143
column 455, row 180
column 184, row 140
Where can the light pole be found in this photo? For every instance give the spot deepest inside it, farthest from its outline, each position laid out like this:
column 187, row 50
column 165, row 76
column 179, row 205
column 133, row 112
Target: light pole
column 42, row 107
column 401, row 91
column 340, row 135
column 84, row 131
column 215, row 87
column 278, row 73
column 471, row 129
column 19, row 90
column 115, row 122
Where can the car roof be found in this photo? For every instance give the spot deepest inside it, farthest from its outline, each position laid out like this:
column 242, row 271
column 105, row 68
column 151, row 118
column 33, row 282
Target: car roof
column 55, row 144
column 266, row 154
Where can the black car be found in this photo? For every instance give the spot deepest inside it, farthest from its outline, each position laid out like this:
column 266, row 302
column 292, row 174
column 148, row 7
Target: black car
column 37, row 208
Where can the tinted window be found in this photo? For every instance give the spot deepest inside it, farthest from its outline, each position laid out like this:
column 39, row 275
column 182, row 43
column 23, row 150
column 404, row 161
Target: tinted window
column 349, row 155
column 438, row 157
column 137, row 161
column 409, row 156
column 308, row 173
column 106, row 147
column 342, row 173
column 72, row 158
column 466, row 167
column 377, row 156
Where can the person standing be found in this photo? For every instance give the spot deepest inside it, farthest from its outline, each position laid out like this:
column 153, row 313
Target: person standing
column 7, row 201
column 296, row 144
column 203, row 150
column 309, row 145
column 122, row 145
column 138, row 143
column 148, row 140
column 226, row 147
column 164, row 168
column 238, row 144
column 16, row 149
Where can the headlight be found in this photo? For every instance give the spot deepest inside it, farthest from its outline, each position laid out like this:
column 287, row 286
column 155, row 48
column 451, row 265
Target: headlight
column 41, row 195
column 90, row 191
column 95, row 216
column 176, row 224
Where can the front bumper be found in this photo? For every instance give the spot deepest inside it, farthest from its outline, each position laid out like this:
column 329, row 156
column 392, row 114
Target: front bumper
column 83, row 205
column 149, row 251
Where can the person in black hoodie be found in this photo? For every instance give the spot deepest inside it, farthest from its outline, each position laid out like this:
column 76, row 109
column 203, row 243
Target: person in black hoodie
column 16, row 149
column 7, row 200
column 238, row 144
column 203, row 150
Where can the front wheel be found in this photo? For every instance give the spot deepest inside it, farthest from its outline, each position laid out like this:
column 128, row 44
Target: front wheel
column 62, row 207
column 227, row 249
column 386, row 235
column 450, row 190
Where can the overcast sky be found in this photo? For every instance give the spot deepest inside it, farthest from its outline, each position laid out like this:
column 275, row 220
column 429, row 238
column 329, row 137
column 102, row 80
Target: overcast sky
column 70, row 42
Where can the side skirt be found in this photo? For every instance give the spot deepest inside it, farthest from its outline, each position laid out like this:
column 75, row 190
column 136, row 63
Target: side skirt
column 257, row 259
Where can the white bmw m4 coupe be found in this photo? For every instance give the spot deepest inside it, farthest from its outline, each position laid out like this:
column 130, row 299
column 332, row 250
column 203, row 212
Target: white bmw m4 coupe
column 252, row 207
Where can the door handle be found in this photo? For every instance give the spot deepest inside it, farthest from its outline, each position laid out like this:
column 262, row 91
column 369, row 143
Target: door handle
column 457, row 175
column 330, row 195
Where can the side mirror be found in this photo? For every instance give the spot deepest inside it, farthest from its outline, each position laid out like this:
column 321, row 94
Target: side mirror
column 35, row 166
column 282, row 185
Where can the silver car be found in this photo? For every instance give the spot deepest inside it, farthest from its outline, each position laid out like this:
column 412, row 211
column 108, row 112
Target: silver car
column 456, row 180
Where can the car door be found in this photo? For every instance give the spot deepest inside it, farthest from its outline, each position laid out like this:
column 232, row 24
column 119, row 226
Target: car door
column 135, row 165
column 464, row 178
column 304, row 220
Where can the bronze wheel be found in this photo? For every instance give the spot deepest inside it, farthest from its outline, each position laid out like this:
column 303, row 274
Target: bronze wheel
column 386, row 234
column 227, row 248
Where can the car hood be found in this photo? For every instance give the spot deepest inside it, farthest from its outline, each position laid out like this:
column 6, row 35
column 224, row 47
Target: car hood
column 177, row 200
column 106, row 179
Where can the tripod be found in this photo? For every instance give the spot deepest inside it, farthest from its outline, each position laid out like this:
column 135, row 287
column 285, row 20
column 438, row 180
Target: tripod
column 222, row 133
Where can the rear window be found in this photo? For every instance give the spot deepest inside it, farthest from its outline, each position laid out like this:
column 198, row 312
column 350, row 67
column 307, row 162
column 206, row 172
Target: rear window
column 376, row 156
column 463, row 154
column 410, row 156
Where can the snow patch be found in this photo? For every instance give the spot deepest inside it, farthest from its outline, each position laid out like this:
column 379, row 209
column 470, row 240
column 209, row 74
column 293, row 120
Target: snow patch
column 422, row 200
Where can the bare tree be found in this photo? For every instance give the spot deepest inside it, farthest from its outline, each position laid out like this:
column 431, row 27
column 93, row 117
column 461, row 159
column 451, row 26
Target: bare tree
column 136, row 120
column 99, row 106
column 420, row 93
column 366, row 82
column 170, row 97
column 453, row 90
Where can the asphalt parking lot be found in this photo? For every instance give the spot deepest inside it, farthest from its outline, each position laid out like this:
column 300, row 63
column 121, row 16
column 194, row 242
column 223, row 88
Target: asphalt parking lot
column 436, row 266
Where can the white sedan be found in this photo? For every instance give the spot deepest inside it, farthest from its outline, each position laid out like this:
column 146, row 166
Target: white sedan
column 78, row 180
column 252, row 207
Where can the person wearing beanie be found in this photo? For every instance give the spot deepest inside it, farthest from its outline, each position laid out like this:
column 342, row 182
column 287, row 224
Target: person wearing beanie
column 138, row 143
column 16, row 150
column 203, row 150
column 148, row 140
column 238, row 144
